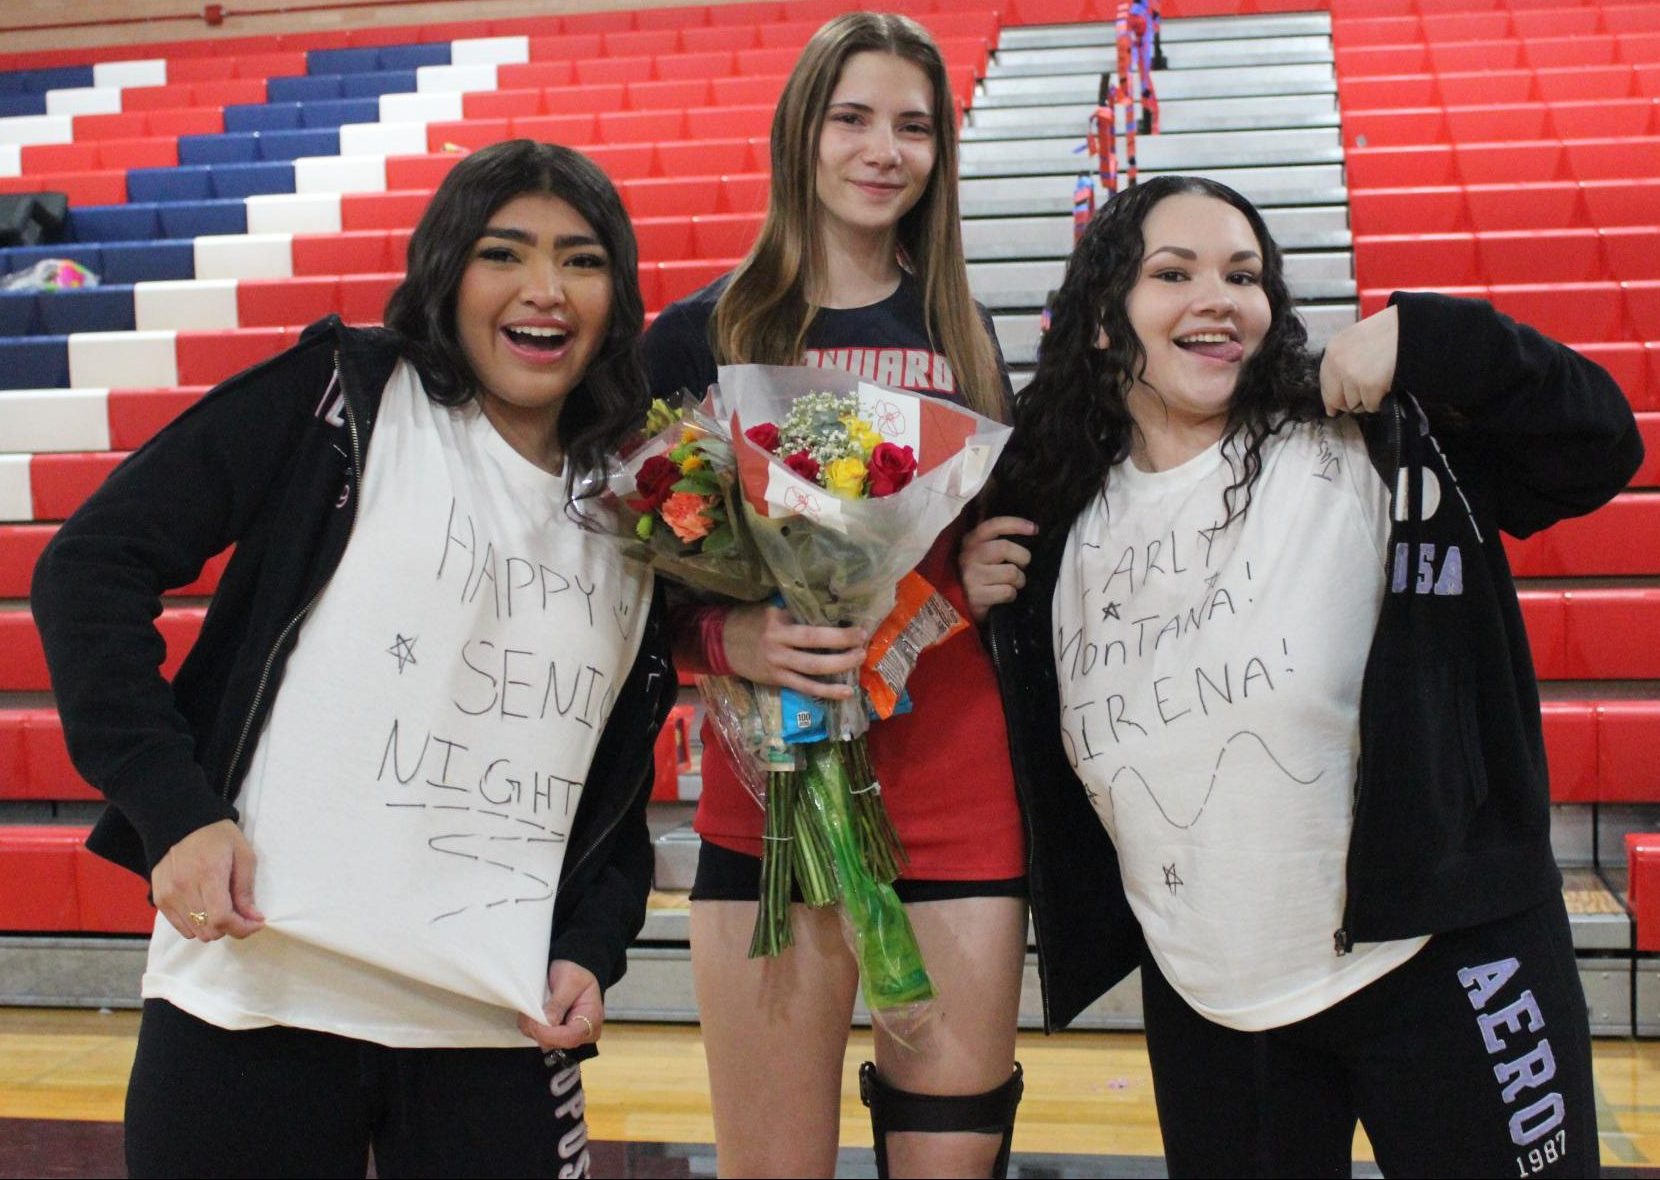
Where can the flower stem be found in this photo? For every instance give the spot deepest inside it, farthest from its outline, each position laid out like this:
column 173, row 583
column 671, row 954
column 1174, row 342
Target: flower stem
column 772, row 918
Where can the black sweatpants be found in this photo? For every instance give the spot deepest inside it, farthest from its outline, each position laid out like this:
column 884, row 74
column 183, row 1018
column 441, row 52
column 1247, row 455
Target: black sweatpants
column 1473, row 1058
column 204, row 1101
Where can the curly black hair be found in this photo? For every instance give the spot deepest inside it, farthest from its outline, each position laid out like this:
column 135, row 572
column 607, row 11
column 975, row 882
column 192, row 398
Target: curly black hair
column 1072, row 424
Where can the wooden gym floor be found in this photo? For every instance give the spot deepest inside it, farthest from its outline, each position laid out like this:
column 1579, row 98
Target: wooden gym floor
column 1088, row 1109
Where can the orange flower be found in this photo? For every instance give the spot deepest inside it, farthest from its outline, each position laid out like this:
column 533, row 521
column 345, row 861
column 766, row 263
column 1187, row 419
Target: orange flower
column 683, row 512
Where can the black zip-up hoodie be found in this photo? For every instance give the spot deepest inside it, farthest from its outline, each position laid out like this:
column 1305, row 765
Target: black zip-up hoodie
column 1452, row 818
column 272, row 461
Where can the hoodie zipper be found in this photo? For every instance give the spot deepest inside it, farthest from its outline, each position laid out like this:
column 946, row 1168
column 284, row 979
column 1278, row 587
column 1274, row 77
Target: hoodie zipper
column 282, row 636
column 1342, row 940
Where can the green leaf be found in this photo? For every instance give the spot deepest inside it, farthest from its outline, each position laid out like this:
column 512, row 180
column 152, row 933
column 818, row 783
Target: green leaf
column 719, row 540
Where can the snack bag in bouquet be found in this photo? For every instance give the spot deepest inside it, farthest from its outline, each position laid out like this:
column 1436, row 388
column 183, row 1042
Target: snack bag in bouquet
column 674, row 501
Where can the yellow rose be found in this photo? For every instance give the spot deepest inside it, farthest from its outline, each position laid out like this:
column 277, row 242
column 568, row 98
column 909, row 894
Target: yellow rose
column 691, row 463
column 845, row 477
column 863, row 433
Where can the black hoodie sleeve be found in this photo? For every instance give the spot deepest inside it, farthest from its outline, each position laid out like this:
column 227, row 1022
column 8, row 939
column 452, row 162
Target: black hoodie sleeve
column 1550, row 431
column 602, row 900
column 181, row 498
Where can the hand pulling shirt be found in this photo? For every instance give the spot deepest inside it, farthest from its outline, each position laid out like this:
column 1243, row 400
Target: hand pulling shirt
column 1210, row 701
column 411, row 794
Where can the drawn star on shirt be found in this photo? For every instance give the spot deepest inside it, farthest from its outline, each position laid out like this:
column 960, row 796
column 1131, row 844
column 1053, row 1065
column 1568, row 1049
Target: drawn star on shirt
column 404, row 649
column 1110, row 611
column 1172, row 879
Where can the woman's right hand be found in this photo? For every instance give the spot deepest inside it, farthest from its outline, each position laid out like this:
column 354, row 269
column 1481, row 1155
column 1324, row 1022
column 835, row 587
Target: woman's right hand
column 204, row 885
column 992, row 566
column 765, row 645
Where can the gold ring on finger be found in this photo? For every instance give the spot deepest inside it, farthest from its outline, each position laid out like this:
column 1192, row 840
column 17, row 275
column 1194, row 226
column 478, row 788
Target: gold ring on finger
column 589, row 1024
column 199, row 917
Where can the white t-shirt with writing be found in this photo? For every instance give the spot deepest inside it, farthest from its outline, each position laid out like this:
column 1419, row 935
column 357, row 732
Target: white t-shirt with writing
column 411, row 795
column 1210, row 702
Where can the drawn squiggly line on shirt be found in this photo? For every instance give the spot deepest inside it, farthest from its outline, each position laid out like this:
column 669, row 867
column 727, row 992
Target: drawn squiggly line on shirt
column 1210, row 789
column 436, row 843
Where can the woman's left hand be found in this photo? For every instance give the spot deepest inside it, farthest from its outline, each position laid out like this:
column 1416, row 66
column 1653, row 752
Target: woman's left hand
column 1359, row 366
column 575, row 1008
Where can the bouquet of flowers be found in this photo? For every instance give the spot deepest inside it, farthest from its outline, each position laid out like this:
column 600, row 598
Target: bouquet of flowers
column 844, row 486
column 672, row 504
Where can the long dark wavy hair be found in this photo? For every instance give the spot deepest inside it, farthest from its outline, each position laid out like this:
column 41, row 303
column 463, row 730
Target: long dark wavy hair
column 1072, row 424
column 611, row 398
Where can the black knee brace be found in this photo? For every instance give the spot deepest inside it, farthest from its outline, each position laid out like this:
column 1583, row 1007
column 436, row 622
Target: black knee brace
column 893, row 1109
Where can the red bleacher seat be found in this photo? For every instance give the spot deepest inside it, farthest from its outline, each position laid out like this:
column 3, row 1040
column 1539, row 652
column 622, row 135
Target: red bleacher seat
column 655, row 197
column 390, row 210
column 726, row 235
column 719, row 39
column 706, row 155
column 59, row 482
column 1622, row 538
column 37, row 877
column 419, row 172
column 1485, row 86
column 746, row 193
column 1550, row 256
column 206, row 358
column 1535, row 205
column 672, row 754
column 474, row 133
column 109, row 899
column 1416, row 260
column 363, row 297
column 352, row 252
column 277, row 303
column 1628, row 751
column 1565, row 311
column 1632, row 253
column 1643, row 889
column 135, row 415
column 663, row 238
column 1570, row 729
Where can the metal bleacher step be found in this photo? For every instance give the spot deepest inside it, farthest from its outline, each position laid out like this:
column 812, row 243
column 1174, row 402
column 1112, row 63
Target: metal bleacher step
column 1160, row 153
column 1176, row 32
column 1083, row 59
column 1172, row 85
column 1303, row 188
column 1003, row 286
column 1048, row 236
column 1260, row 113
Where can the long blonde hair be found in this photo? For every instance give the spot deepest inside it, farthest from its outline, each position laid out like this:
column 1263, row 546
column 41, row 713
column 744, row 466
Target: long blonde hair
column 763, row 315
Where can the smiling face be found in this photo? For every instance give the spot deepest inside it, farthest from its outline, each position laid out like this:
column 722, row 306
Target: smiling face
column 1200, row 312
column 876, row 146
column 532, row 310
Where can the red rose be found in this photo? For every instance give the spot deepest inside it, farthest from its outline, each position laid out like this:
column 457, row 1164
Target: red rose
column 764, row 436
column 656, row 478
column 803, row 465
column 891, row 468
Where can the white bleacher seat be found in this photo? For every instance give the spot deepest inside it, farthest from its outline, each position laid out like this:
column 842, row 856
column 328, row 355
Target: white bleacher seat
column 148, row 72
column 84, row 100
column 27, row 129
column 495, row 50
column 185, row 304
column 105, row 360
column 383, row 139
column 455, row 79
column 17, row 502
column 11, row 159
column 340, row 174
column 294, row 213
column 442, row 107
column 245, row 256
column 38, row 420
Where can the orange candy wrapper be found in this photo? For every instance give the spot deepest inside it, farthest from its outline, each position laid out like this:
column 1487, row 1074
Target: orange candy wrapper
column 920, row 618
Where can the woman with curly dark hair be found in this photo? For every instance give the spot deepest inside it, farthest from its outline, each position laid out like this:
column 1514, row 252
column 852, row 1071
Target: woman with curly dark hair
column 392, row 807
column 1272, row 713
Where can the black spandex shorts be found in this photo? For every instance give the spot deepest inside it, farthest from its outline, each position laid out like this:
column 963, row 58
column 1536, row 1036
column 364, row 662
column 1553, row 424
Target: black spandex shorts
column 724, row 875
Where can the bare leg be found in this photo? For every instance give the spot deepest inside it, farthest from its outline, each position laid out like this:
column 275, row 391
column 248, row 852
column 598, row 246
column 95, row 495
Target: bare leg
column 774, row 1033
column 975, row 949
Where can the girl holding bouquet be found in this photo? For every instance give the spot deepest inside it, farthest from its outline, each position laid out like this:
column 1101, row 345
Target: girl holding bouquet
column 1275, row 721
column 859, row 266
column 396, row 861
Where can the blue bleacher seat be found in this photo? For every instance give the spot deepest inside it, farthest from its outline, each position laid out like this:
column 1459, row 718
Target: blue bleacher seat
column 22, row 104
column 339, row 111
column 262, row 116
column 247, row 180
column 163, row 185
column 89, row 256
column 149, row 262
column 411, row 57
column 68, row 77
column 86, row 309
column 136, row 222
column 19, row 314
column 235, row 147
column 291, row 145
column 11, row 82
column 301, row 88
column 193, row 219
column 376, row 84
column 342, row 61
column 34, row 362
